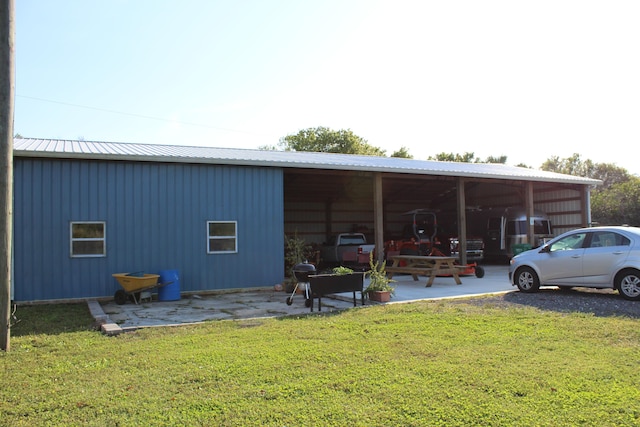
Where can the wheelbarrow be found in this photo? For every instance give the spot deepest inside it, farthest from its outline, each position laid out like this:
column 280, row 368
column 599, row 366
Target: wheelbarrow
column 133, row 284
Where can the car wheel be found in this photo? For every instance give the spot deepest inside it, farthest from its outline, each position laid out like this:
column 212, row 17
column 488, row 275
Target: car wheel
column 527, row 280
column 628, row 284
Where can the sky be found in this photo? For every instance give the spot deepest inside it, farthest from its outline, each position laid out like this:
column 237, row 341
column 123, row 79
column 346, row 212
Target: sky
column 522, row 79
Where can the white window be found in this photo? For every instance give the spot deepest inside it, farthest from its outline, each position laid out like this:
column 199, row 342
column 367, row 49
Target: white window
column 88, row 239
column 222, row 237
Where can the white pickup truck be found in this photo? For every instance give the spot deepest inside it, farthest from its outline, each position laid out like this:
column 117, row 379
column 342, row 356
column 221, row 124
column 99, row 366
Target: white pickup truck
column 345, row 248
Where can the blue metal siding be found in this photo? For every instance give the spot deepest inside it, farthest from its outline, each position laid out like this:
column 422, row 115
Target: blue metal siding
column 156, row 219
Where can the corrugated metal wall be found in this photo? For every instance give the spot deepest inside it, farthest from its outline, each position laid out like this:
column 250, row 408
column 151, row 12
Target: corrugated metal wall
column 156, row 218
column 309, row 220
column 564, row 207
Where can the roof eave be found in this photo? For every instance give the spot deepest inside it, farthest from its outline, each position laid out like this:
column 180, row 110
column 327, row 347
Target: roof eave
column 285, row 164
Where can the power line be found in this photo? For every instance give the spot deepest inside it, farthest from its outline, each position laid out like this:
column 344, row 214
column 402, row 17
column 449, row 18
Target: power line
column 142, row 116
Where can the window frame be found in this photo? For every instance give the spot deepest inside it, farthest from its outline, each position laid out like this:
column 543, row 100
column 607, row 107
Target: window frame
column 102, row 239
column 222, row 237
column 608, row 239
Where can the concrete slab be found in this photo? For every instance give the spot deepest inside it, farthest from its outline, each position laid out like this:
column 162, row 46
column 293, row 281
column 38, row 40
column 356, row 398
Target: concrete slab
column 495, row 280
column 271, row 303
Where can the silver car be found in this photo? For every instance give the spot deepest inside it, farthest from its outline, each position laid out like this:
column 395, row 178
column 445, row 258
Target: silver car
column 597, row 257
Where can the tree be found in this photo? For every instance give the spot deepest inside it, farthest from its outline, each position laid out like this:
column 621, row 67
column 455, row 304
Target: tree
column 450, row 157
column 268, row 147
column 500, row 159
column 467, row 158
column 617, row 204
column 608, row 173
column 325, row 140
column 570, row 166
column 616, row 201
column 403, row 152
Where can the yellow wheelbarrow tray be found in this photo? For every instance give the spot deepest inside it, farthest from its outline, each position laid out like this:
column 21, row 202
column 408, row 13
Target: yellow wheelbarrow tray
column 134, row 283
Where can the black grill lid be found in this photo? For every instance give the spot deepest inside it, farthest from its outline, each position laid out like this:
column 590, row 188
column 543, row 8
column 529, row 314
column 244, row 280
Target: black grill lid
column 303, row 270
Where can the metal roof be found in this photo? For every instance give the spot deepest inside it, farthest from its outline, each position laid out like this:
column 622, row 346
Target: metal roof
column 68, row 149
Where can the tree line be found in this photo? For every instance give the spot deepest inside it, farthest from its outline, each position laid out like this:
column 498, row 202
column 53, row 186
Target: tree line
column 615, row 202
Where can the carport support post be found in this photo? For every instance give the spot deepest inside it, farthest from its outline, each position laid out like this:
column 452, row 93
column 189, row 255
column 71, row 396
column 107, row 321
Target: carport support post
column 7, row 78
column 586, row 205
column 378, row 218
column 529, row 207
column 462, row 222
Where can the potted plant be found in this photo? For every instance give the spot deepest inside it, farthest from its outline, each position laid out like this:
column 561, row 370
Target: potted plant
column 380, row 288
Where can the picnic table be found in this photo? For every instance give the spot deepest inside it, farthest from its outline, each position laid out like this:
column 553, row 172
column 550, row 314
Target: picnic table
column 420, row 265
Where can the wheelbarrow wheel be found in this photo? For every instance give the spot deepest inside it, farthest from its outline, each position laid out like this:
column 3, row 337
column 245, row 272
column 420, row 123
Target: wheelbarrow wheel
column 120, row 297
column 307, row 302
column 479, row 272
column 289, row 300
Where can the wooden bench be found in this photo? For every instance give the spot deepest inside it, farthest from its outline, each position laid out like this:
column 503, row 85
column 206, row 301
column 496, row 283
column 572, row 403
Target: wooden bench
column 325, row 284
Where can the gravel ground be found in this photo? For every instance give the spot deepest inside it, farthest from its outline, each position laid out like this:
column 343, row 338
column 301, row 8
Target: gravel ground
column 599, row 302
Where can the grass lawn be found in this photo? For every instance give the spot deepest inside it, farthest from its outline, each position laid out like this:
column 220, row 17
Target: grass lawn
column 430, row 363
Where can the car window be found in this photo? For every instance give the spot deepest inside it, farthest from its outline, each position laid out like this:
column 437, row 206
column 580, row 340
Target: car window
column 574, row 241
column 603, row 239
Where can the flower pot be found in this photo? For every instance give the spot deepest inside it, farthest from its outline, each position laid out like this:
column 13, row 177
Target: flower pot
column 380, row 296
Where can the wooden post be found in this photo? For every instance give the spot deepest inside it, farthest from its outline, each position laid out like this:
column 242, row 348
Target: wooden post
column 378, row 218
column 462, row 222
column 7, row 78
column 530, row 212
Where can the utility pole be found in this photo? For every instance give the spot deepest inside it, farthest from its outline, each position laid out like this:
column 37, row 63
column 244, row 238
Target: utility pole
column 7, row 85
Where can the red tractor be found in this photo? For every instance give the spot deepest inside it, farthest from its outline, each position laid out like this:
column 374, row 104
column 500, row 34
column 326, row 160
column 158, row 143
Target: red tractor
column 418, row 237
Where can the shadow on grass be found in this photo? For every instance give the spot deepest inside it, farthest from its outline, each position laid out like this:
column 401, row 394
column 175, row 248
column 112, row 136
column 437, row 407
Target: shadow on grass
column 51, row 319
column 599, row 302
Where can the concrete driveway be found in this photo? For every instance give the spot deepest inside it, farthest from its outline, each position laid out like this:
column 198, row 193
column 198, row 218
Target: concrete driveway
column 242, row 304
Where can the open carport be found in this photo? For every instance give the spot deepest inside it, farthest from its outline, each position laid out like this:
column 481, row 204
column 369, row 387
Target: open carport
column 330, row 198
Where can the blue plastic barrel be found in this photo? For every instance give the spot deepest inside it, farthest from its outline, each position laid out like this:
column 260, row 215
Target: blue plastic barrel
column 170, row 292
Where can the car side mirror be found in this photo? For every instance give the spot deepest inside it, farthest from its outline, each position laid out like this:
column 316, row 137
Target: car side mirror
column 545, row 249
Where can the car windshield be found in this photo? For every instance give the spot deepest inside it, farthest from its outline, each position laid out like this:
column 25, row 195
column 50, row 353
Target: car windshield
column 573, row 241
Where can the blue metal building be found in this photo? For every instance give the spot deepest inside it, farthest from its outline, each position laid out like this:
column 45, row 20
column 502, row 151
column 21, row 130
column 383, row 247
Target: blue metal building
column 152, row 215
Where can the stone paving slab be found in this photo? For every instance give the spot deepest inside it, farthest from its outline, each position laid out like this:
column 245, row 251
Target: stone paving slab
column 199, row 308
column 260, row 303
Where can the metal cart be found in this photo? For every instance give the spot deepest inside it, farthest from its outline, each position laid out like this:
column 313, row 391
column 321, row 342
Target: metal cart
column 133, row 284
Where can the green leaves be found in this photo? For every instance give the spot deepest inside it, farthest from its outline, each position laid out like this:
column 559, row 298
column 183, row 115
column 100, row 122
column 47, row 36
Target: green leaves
column 325, row 140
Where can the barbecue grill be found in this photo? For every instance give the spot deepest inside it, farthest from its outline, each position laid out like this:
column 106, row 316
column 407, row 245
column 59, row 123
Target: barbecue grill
column 302, row 272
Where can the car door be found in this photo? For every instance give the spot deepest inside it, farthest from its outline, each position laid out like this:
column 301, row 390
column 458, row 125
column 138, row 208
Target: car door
column 607, row 250
column 562, row 264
